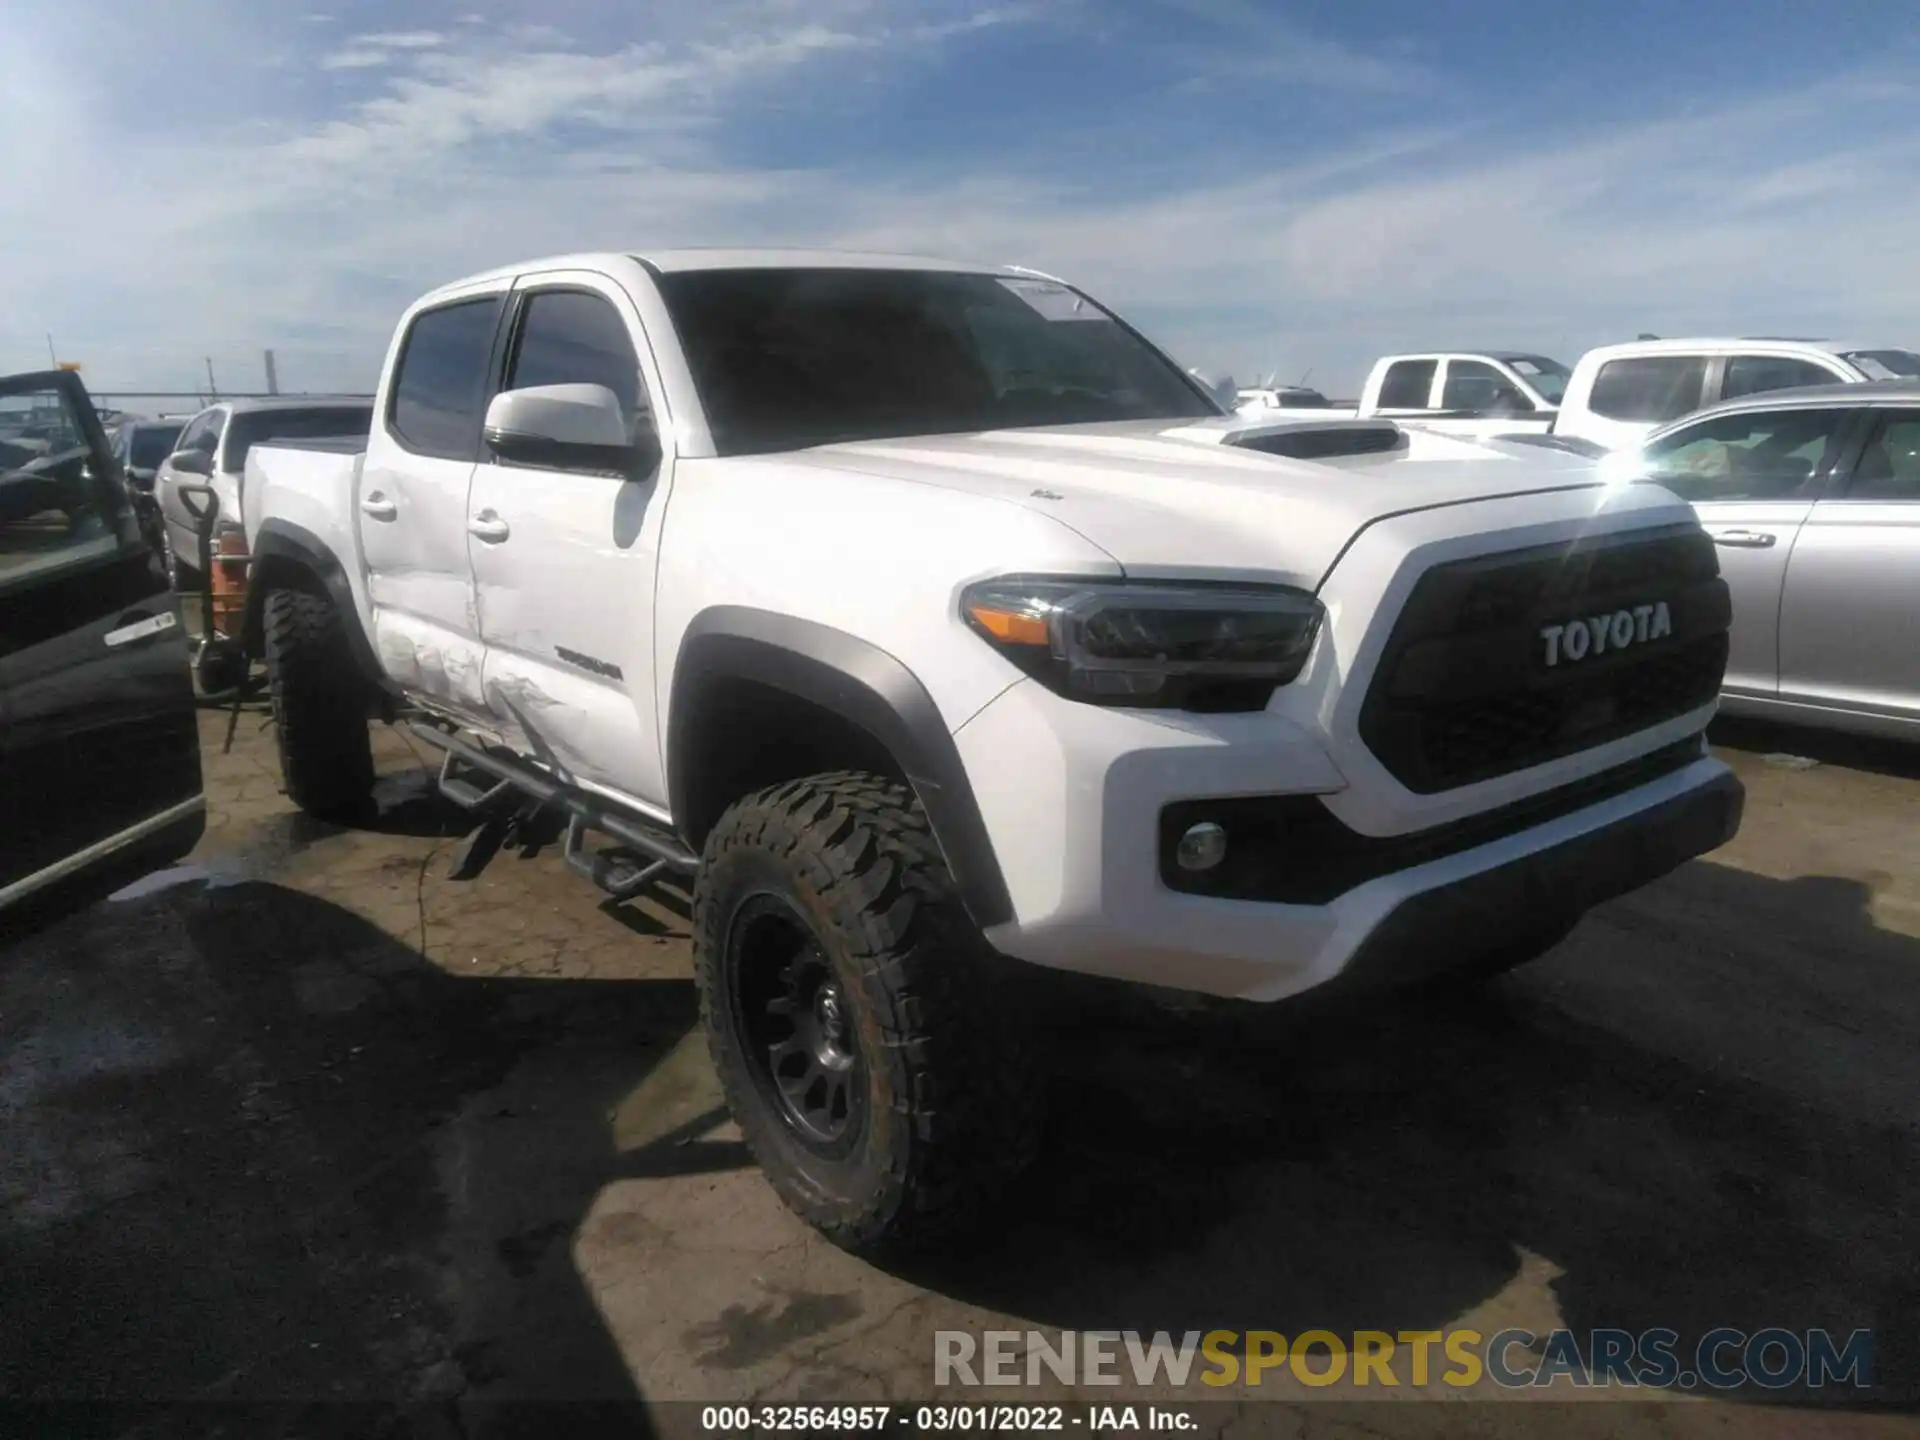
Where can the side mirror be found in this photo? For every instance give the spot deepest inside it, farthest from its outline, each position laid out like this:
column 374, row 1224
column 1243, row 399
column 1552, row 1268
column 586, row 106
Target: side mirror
column 565, row 427
column 191, row 462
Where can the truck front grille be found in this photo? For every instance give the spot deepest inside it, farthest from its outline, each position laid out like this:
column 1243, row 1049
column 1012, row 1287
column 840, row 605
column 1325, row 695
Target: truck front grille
column 1476, row 680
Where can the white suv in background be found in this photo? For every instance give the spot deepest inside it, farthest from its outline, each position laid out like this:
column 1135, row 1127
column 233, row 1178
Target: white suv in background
column 1621, row 393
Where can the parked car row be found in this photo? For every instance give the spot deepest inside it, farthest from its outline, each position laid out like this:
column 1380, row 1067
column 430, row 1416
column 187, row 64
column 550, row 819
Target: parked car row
column 1611, row 398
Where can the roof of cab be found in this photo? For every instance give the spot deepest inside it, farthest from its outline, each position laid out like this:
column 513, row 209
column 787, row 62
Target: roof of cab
column 718, row 258
column 1687, row 345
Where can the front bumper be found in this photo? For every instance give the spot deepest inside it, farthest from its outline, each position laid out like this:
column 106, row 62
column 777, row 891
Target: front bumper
column 1073, row 798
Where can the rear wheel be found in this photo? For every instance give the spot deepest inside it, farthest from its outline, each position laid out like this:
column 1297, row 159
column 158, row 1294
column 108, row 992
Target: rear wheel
column 319, row 708
column 865, row 1034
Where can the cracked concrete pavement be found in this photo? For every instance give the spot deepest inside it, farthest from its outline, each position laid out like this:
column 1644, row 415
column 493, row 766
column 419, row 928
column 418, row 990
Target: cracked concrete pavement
column 307, row 1119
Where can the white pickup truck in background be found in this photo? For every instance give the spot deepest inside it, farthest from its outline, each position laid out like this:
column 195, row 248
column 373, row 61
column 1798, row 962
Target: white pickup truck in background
column 931, row 625
column 1477, row 394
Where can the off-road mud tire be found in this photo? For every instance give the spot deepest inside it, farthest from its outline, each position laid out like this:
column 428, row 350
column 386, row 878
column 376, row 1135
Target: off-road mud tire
column 953, row 1082
column 319, row 706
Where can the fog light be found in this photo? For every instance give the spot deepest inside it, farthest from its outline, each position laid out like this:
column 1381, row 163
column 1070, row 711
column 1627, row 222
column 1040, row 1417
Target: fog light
column 1202, row 847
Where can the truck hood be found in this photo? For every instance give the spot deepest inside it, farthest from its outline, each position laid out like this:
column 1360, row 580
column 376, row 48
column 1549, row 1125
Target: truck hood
column 1191, row 499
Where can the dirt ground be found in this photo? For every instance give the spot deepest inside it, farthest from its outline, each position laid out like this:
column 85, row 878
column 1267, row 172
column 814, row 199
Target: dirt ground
column 308, row 1120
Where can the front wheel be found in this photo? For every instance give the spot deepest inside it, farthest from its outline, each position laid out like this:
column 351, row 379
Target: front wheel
column 882, row 1073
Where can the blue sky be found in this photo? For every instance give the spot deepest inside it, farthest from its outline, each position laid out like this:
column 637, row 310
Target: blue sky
column 1261, row 184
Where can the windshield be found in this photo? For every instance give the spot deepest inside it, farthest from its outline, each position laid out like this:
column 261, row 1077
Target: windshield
column 251, row 428
column 1549, row 377
column 1886, row 364
column 784, row 359
column 151, row 444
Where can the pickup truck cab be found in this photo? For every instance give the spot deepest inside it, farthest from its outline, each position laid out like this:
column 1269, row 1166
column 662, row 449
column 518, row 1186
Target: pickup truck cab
column 1483, row 392
column 1619, row 394
column 1479, row 394
column 935, row 626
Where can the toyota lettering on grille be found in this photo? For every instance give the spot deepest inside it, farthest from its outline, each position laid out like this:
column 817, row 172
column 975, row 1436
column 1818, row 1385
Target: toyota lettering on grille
column 1597, row 634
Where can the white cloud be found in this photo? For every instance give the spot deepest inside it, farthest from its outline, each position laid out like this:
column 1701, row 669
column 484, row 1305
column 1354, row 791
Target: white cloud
column 483, row 148
column 403, row 40
column 355, row 60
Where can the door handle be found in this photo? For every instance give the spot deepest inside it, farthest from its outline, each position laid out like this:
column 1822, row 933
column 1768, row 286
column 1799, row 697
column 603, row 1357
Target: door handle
column 1745, row 539
column 144, row 628
column 489, row 527
column 379, row 507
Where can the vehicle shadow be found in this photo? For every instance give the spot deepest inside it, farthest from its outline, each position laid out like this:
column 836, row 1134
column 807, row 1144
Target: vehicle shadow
column 259, row 1153
column 1697, row 1112
column 1829, row 747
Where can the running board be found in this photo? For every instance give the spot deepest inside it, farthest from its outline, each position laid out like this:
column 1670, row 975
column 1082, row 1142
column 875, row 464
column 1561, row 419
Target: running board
column 644, row 852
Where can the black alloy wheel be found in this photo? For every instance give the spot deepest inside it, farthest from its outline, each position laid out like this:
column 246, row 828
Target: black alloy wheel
column 793, row 1016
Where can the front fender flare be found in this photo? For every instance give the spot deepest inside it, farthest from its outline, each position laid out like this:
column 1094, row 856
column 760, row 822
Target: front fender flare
column 862, row 684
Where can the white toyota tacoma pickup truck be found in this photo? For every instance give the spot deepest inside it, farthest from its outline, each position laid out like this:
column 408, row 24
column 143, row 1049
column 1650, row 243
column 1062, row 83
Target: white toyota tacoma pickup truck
column 932, row 621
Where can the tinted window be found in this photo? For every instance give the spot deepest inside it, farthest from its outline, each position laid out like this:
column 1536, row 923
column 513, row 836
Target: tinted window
column 151, row 444
column 1407, row 385
column 1547, row 376
column 1648, row 388
column 1768, row 455
column 202, row 432
column 440, row 384
column 1476, row 385
column 789, row 358
column 1890, row 467
column 251, row 428
column 1753, row 374
column 50, row 510
column 571, row 338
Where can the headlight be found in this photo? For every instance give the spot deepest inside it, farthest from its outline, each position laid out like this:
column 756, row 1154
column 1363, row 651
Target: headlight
column 1185, row 645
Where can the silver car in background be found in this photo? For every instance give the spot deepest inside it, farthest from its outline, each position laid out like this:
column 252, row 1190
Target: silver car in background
column 1812, row 497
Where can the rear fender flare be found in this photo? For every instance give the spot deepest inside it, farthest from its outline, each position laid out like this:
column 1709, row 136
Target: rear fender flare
column 284, row 550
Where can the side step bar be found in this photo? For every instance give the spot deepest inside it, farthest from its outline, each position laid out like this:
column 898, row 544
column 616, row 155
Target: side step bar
column 621, row 875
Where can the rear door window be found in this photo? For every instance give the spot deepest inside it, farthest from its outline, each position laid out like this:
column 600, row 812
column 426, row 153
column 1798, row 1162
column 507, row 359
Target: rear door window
column 439, row 386
column 1648, row 389
column 1407, row 385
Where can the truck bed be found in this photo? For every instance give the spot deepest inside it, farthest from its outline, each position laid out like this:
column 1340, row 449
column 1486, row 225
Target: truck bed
column 351, row 444
column 309, row 481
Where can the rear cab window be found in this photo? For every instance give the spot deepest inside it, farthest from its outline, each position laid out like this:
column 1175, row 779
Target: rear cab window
column 1648, row 389
column 440, row 383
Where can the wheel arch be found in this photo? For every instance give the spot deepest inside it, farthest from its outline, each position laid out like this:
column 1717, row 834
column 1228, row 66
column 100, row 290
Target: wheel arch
column 288, row 555
column 793, row 675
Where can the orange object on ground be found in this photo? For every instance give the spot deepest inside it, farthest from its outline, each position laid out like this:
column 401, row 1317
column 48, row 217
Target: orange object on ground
column 229, row 580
